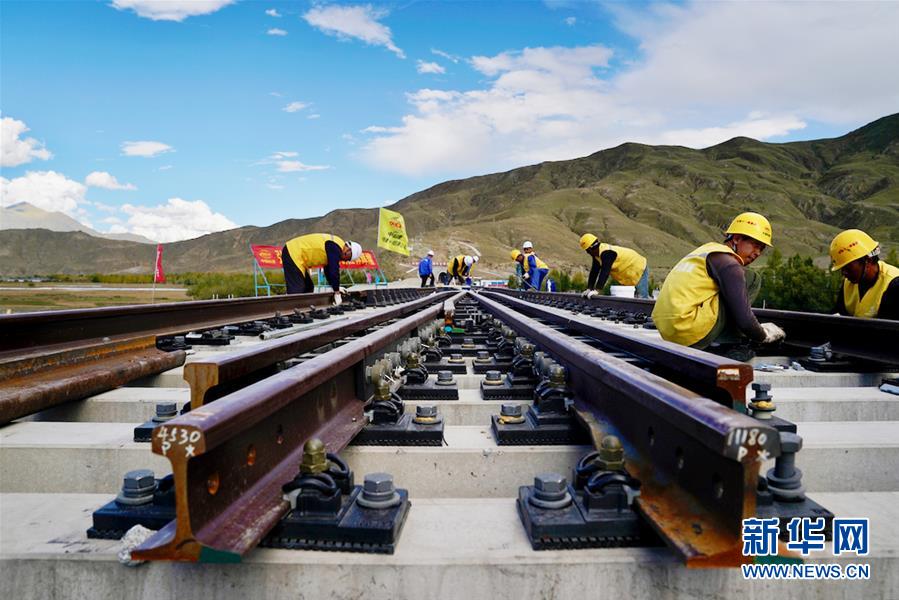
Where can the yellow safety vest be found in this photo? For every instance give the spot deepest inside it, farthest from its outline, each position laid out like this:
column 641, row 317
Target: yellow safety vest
column 308, row 251
column 540, row 263
column 628, row 266
column 459, row 264
column 687, row 307
column 868, row 306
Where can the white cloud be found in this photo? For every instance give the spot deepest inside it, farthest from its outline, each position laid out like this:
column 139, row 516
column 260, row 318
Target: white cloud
column 275, row 94
column 314, row 116
column 47, row 190
column 446, row 55
column 571, row 21
column 295, row 107
column 170, row 10
column 146, row 149
column 102, row 179
column 175, row 220
column 706, row 72
column 272, row 13
column 429, row 67
column 15, row 151
column 292, row 166
column 274, row 186
column 276, row 31
column 164, row 168
column 283, row 155
column 359, row 22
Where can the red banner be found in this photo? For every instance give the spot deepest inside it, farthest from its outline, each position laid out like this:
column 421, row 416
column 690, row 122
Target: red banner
column 268, row 257
column 368, row 260
column 158, row 275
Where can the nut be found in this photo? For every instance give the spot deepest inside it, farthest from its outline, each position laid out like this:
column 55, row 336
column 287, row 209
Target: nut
column 139, row 479
column 790, row 442
column 378, row 483
column 551, row 483
column 426, row 410
column 510, row 410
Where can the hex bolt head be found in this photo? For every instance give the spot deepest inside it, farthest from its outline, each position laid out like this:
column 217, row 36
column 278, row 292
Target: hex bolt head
column 138, row 480
column 551, row 483
column 611, row 454
column 510, row 410
column 790, row 442
column 527, row 349
column 761, row 392
column 557, row 375
column 468, row 342
column 445, row 378
column 426, row 410
column 166, row 410
column 483, row 356
column 315, row 459
column 493, row 376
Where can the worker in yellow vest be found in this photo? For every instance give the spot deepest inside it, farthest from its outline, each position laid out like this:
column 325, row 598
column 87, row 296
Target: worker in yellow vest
column 316, row 250
column 870, row 286
column 534, row 270
column 625, row 266
column 706, row 300
column 460, row 268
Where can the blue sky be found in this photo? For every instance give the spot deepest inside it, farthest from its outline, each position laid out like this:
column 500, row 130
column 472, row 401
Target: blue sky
column 173, row 118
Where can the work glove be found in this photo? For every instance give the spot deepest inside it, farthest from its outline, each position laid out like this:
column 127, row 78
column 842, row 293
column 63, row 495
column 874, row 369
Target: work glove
column 527, row 275
column 343, row 291
column 591, row 294
column 337, row 299
column 773, row 333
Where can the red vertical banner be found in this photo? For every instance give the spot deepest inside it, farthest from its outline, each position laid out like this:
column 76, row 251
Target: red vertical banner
column 158, row 275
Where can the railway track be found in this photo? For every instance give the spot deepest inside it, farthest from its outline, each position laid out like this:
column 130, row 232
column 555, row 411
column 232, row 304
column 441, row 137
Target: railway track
column 679, row 428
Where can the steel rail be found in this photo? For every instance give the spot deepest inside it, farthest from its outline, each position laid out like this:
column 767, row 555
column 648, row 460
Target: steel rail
column 24, row 332
column 230, row 458
column 864, row 339
column 698, row 461
column 214, row 376
column 31, row 384
column 721, row 379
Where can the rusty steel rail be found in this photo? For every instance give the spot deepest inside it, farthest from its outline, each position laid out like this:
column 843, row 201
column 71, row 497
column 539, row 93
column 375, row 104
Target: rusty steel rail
column 231, row 457
column 863, row 339
column 721, row 379
column 32, row 383
column 698, row 461
column 214, row 376
column 23, row 332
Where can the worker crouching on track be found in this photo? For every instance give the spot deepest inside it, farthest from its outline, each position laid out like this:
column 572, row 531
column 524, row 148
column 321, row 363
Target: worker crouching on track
column 316, row 250
column 870, row 286
column 706, row 300
column 534, row 270
column 460, row 268
column 625, row 266
column 426, row 270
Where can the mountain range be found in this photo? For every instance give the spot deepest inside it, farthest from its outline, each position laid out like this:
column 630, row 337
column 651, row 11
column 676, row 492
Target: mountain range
column 27, row 216
column 660, row 200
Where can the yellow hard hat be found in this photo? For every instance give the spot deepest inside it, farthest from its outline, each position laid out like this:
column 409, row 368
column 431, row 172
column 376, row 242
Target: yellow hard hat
column 515, row 254
column 752, row 224
column 587, row 240
column 851, row 245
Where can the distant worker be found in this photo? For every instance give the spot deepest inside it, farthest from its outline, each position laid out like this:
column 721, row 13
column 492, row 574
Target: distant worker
column 624, row 265
column 527, row 247
column 871, row 286
column 460, row 268
column 426, row 270
column 707, row 297
column 534, row 270
column 316, row 250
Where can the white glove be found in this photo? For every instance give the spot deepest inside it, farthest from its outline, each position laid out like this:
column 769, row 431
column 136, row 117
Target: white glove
column 584, row 293
column 337, row 299
column 591, row 294
column 342, row 290
column 773, row 333
column 527, row 275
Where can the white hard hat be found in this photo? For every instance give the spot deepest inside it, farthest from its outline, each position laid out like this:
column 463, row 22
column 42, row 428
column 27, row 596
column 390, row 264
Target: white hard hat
column 468, row 261
column 527, row 245
column 476, row 258
column 430, row 253
column 356, row 249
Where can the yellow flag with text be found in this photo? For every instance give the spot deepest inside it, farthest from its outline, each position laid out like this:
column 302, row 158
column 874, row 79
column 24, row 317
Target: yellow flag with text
column 392, row 232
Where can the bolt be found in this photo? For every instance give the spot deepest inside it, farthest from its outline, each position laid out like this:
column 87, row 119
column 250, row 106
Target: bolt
column 493, row 378
column 483, row 356
column 611, row 454
column 785, row 480
column 510, row 410
column 468, row 342
column 445, row 378
column 557, row 375
column 315, row 459
column 456, row 358
column 426, row 410
column 761, row 392
column 527, row 350
column 378, row 485
column 138, row 481
column 382, row 391
column 551, row 483
column 165, row 411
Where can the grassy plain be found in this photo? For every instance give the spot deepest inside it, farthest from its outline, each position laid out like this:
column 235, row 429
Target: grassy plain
column 18, row 297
